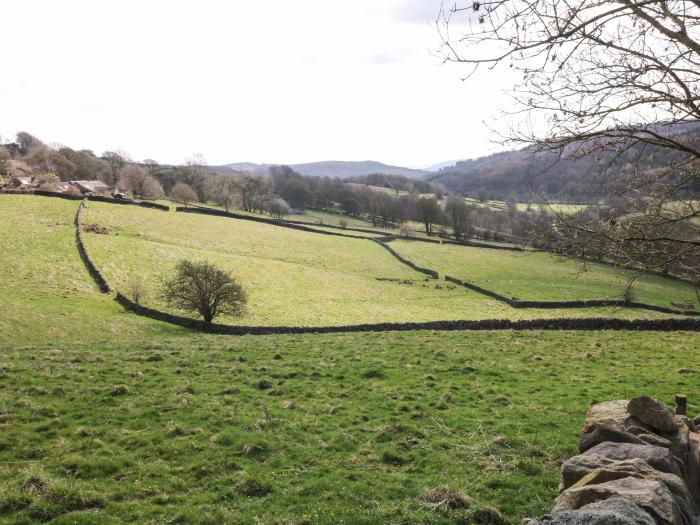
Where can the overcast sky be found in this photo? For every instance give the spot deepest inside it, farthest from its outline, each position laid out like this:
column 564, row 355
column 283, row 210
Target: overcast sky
column 260, row 81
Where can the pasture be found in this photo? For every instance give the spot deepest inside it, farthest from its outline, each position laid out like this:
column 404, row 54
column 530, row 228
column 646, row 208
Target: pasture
column 541, row 276
column 107, row 417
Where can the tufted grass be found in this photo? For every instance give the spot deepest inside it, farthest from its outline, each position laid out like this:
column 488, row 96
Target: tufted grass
column 346, row 428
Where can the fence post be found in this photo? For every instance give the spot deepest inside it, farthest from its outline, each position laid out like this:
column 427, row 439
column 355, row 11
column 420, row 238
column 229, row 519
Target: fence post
column 681, row 404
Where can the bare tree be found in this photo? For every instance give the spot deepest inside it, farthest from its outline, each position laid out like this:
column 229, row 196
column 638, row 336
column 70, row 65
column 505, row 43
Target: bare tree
column 26, row 141
column 225, row 190
column 369, row 201
column 137, row 288
column 5, row 159
column 116, row 160
column 136, row 180
column 150, row 165
column 254, row 190
column 618, row 81
column 205, row 289
column 458, row 216
column 429, row 212
column 195, row 174
column 278, row 208
column 182, row 193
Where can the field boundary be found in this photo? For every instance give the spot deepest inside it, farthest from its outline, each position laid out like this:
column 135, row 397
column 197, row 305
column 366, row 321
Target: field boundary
column 593, row 303
column 665, row 325
column 89, row 264
column 432, row 273
column 306, row 226
column 487, row 324
column 514, row 303
column 264, row 220
column 94, row 198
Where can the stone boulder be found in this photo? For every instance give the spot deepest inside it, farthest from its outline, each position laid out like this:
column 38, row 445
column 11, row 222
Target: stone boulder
column 574, row 468
column 607, row 431
column 648, row 437
column 639, row 465
column 638, row 468
column 609, row 413
column 653, row 413
column 696, row 420
column 613, row 511
column 659, row 458
column 649, row 494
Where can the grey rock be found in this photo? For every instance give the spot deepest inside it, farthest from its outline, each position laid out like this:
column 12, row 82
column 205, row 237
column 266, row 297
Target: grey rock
column 649, row 436
column 607, row 431
column 653, row 439
column 574, row 468
column 696, row 420
column 658, row 457
column 653, row 413
column 649, row 494
column 638, row 468
column 613, row 511
column 610, row 412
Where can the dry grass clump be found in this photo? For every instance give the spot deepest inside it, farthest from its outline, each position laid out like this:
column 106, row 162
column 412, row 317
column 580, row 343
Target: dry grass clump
column 446, row 499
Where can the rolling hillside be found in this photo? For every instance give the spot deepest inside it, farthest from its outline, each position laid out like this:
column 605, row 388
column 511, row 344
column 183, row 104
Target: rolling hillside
column 525, row 174
column 334, row 169
column 109, row 417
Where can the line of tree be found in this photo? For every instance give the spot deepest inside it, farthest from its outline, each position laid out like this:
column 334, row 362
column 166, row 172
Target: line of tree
column 53, row 163
column 382, row 200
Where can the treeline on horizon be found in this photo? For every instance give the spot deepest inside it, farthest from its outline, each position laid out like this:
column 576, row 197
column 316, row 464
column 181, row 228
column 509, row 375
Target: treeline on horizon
column 383, row 200
column 584, row 173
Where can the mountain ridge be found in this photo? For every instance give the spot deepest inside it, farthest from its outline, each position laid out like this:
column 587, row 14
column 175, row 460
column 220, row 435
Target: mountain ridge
column 331, row 168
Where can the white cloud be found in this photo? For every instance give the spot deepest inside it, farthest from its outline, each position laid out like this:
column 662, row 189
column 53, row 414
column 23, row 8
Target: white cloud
column 271, row 81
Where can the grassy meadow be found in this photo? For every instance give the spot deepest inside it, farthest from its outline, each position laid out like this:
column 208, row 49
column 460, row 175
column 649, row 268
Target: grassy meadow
column 542, row 276
column 293, row 277
column 108, row 418
column 311, row 429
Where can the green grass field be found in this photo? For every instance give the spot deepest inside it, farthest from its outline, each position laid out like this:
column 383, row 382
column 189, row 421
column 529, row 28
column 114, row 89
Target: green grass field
column 309, row 429
column 293, row 278
column 541, row 276
column 107, row 417
column 555, row 207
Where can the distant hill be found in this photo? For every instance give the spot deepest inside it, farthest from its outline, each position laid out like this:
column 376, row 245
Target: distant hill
column 332, row 168
column 439, row 166
column 525, row 173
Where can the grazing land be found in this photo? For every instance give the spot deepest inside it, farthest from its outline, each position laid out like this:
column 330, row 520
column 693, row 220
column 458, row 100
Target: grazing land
column 294, row 278
column 107, row 417
column 329, row 429
column 540, row 276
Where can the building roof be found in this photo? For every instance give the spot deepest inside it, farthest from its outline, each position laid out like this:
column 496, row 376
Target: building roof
column 89, row 185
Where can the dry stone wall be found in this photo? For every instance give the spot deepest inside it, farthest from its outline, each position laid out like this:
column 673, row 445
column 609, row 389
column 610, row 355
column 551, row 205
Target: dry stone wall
column 95, row 198
column 89, row 264
column 638, row 465
column 517, row 303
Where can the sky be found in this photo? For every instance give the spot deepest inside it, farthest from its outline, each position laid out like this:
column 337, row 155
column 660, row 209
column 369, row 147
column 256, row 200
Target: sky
column 244, row 81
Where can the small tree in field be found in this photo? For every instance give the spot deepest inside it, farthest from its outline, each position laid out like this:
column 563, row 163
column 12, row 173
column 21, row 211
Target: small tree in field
column 137, row 289
column 204, row 289
column 183, row 193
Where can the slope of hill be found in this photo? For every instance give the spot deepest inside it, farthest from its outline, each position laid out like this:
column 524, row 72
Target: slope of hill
column 108, row 417
column 571, row 178
column 332, row 168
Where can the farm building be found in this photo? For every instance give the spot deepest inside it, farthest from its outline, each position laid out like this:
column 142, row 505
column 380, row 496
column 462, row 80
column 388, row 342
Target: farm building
column 90, row 186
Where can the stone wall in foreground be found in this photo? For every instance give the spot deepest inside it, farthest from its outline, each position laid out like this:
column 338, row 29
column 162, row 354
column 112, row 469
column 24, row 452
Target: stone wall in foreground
column 638, row 465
